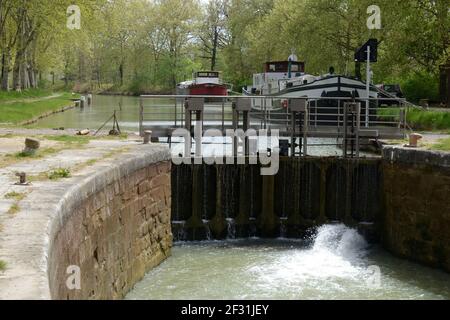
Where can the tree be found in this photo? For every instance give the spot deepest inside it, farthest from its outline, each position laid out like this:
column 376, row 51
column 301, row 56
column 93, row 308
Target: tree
column 213, row 34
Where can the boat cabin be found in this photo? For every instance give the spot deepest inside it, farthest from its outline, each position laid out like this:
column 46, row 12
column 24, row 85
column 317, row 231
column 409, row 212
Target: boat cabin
column 284, row 67
column 203, row 77
column 268, row 82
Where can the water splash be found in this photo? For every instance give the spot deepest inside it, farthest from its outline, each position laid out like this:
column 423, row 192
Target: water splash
column 341, row 241
column 179, row 231
column 283, row 228
column 207, row 230
column 231, row 228
column 337, row 257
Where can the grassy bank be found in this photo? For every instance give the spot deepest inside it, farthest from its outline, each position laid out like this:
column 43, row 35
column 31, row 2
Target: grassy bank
column 9, row 96
column 442, row 145
column 16, row 108
column 420, row 119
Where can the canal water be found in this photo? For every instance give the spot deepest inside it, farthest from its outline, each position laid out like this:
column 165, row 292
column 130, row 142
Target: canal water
column 336, row 264
column 127, row 110
column 162, row 112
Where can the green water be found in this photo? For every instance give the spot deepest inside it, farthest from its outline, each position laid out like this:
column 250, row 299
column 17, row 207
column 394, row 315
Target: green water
column 127, row 111
column 338, row 265
column 160, row 111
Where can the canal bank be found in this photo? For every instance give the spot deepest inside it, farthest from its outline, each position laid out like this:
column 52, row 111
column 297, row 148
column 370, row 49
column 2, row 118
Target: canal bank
column 108, row 224
column 114, row 221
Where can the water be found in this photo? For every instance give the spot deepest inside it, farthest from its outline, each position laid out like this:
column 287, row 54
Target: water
column 338, row 264
column 127, row 110
column 162, row 110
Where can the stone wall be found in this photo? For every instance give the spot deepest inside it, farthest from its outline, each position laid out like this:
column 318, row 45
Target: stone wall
column 416, row 222
column 115, row 226
column 115, row 235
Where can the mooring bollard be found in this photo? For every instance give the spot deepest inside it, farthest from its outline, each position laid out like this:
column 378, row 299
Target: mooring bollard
column 147, row 136
column 89, row 100
column 31, row 146
column 414, row 140
column 82, row 102
column 22, row 178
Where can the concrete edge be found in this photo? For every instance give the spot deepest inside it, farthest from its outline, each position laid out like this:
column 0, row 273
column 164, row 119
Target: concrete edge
column 31, row 247
column 398, row 154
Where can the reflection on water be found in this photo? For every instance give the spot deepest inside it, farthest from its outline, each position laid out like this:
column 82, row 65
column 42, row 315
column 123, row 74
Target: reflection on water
column 337, row 265
column 127, row 109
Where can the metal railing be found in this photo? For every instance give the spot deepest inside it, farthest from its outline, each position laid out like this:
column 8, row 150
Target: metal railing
column 164, row 113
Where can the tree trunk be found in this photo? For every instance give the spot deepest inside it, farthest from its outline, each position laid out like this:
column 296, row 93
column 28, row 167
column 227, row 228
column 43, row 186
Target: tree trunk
column 214, row 50
column 6, row 58
column 17, row 71
column 121, row 73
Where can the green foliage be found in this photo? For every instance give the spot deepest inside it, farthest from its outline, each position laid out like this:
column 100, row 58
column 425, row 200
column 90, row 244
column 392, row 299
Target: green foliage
column 59, row 174
column 14, row 209
column 26, row 94
column 2, row 266
column 442, row 145
column 70, row 140
column 428, row 120
column 143, row 46
column 15, row 195
column 421, row 85
column 419, row 119
column 16, row 111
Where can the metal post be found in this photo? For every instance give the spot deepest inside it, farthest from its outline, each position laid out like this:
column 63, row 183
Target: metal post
column 358, row 126
column 223, row 115
column 235, row 127
column 368, row 86
column 293, row 126
column 344, row 141
column 141, row 116
column 305, row 131
column 176, row 115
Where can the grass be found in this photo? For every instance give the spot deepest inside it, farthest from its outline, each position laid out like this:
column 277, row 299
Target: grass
column 41, row 153
column 70, row 140
column 2, row 266
column 15, row 195
column 59, row 173
column 19, row 111
column 14, row 209
column 441, row 145
column 26, row 94
column 9, row 159
column 420, row 119
column 428, row 120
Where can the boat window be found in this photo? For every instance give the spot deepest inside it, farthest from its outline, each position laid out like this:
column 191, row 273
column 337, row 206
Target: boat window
column 207, row 74
column 294, row 68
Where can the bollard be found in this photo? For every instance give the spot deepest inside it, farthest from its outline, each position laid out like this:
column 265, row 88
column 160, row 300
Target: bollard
column 414, row 140
column 31, row 146
column 89, row 100
column 147, row 136
column 22, row 178
column 82, row 102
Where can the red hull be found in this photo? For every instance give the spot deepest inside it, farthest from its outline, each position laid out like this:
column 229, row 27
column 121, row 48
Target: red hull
column 208, row 90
